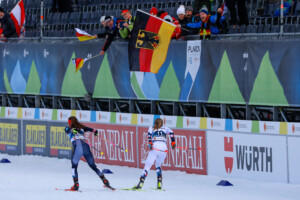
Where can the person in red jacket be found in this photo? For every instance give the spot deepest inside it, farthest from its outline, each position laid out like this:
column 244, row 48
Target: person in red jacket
column 177, row 32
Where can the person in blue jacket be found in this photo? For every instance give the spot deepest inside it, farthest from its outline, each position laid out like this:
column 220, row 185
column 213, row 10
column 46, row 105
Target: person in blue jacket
column 209, row 24
column 80, row 148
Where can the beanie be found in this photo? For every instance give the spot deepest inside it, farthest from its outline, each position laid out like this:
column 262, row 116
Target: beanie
column 2, row 10
column 181, row 10
column 162, row 16
column 107, row 18
column 189, row 8
column 168, row 18
column 153, row 11
column 204, row 9
column 102, row 19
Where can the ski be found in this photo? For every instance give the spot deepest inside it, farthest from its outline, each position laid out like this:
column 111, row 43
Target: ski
column 68, row 190
column 158, row 189
column 109, row 187
column 132, row 189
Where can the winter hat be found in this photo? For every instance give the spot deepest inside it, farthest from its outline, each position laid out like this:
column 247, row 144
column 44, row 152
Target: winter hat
column 189, row 8
column 102, row 19
column 124, row 11
column 168, row 18
column 162, row 16
column 153, row 11
column 2, row 10
column 181, row 10
column 108, row 18
column 204, row 9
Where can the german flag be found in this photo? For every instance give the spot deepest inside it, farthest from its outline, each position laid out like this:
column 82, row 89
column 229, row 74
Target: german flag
column 149, row 42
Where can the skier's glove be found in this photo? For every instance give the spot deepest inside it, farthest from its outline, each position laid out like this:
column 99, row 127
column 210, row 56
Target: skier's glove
column 96, row 133
column 173, row 145
column 68, row 129
column 150, row 145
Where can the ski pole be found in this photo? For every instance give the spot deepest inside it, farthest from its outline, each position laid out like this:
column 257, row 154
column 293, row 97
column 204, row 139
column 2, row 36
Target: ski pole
column 93, row 147
column 188, row 148
column 166, row 151
column 114, row 145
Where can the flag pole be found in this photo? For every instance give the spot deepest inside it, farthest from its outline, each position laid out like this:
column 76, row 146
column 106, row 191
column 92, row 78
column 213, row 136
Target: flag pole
column 14, row 7
column 92, row 57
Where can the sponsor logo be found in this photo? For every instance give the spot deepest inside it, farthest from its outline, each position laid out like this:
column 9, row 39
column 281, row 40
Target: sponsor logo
column 5, row 53
column 35, row 136
column 43, row 114
column 59, row 139
column 142, row 119
column 99, row 116
column 268, row 127
column 250, row 158
column 25, row 113
column 237, row 125
column 293, row 128
column 25, row 53
column 9, row 134
column 46, row 53
column 187, row 122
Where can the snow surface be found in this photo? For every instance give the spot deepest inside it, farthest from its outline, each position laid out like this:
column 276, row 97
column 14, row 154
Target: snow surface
column 36, row 177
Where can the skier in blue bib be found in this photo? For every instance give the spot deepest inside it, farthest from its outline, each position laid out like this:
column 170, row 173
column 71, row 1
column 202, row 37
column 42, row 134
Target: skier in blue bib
column 80, row 148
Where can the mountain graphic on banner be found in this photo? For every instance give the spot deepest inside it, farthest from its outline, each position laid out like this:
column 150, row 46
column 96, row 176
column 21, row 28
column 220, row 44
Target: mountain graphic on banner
column 267, row 89
column 33, row 82
column 72, row 84
column 170, row 88
column 136, row 81
column 104, row 84
column 225, row 88
column 17, row 81
column 150, row 86
column 6, row 83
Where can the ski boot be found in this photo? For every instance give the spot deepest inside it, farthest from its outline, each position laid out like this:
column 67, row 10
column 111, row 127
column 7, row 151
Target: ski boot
column 106, row 182
column 159, row 182
column 75, row 187
column 140, row 184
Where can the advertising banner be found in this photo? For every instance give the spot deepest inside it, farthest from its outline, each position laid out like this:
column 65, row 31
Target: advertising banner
column 269, row 127
column 190, row 161
column 63, row 115
column 103, row 117
column 145, row 120
column 60, row 145
column 83, row 115
column 111, row 136
column 293, row 128
column 10, row 136
column 35, row 137
column 12, row 112
column 242, row 126
column 257, row 157
column 45, row 114
column 28, row 113
column 191, row 122
column 215, row 124
column 294, row 161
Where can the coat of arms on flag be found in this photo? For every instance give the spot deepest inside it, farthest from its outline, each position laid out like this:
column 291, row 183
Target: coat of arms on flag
column 149, row 42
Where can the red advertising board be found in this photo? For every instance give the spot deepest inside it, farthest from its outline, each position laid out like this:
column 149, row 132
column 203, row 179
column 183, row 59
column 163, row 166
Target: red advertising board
column 123, row 136
column 191, row 161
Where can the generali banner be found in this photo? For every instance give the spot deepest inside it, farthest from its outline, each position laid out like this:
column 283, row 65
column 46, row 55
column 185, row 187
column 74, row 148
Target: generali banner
column 104, row 146
column 257, row 157
column 190, row 161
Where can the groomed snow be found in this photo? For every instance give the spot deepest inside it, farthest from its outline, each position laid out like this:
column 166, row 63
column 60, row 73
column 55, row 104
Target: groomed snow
column 36, row 177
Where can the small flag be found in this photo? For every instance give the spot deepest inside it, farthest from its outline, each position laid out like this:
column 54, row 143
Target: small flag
column 149, row 42
column 17, row 14
column 78, row 62
column 83, row 36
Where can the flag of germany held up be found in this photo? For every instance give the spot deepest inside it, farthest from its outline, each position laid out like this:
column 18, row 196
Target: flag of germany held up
column 149, row 42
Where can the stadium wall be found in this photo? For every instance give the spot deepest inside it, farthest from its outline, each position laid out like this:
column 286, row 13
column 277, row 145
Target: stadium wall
column 231, row 72
column 254, row 150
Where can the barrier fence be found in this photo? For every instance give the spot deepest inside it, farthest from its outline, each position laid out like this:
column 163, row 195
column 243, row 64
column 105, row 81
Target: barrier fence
column 229, row 148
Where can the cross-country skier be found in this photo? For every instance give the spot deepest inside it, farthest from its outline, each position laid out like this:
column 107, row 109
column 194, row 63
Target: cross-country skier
column 157, row 141
column 80, row 147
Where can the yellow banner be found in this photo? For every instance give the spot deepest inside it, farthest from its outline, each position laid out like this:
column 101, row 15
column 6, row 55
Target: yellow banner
column 59, row 139
column 35, row 136
column 9, row 134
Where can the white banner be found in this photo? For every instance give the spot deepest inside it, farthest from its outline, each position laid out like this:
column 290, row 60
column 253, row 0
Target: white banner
column 11, row 112
column 103, row 117
column 242, row 126
column 28, row 113
column 46, row 114
column 191, row 122
column 63, row 115
column 145, row 120
column 250, row 156
column 123, row 118
column 169, row 121
column 294, row 161
column 215, row 124
column 293, row 128
column 84, row 116
column 269, row 127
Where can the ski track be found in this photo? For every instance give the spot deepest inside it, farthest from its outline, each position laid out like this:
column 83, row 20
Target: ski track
column 35, row 178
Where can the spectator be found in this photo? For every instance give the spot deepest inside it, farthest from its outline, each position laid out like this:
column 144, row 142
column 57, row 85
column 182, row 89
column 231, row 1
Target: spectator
column 103, row 23
column 191, row 19
column 177, row 32
column 112, row 32
column 126, row 25
column 242, row 11
column 209, row 23
column 9, row 29
column 182, row 20
column 153, row 11
column 198, row 4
